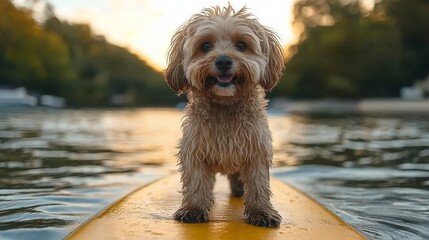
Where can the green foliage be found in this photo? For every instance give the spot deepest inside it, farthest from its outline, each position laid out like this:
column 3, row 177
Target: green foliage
column 29, row 56
column 105, row 70
column 346, row 51
column 412, row 20
column 71, row 61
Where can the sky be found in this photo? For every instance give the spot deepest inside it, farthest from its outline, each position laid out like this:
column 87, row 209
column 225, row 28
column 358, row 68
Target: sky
column 146, row 26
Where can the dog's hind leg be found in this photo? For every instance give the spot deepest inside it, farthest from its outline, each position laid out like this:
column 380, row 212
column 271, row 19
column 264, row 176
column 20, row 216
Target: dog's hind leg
column 237, row 186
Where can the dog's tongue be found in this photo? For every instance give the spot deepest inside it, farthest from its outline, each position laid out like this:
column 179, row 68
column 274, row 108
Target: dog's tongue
column 224, row 78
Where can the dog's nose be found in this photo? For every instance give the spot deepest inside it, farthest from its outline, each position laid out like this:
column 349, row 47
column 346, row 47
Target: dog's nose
column 223, row 63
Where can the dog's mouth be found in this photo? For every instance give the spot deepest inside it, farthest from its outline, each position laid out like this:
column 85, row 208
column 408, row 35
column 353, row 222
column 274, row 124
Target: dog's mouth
column 222, row 80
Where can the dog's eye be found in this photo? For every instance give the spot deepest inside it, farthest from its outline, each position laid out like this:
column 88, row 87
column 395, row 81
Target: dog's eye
column 241, row 46
column 206, row 47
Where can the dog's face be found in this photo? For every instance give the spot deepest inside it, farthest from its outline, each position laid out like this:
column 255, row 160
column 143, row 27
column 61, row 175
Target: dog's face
column 223, row 54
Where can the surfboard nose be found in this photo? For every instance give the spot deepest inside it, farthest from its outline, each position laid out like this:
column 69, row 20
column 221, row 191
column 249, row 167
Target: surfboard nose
column 147, row 213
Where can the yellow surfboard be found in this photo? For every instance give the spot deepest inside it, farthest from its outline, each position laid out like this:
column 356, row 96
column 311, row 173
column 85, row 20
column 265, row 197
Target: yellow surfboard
column 147, row 214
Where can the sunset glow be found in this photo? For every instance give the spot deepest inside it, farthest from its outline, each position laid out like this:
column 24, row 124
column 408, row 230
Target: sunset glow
column 146, row 26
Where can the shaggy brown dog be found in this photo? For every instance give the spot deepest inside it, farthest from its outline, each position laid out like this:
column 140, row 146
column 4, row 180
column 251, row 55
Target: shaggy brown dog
column 225, row 61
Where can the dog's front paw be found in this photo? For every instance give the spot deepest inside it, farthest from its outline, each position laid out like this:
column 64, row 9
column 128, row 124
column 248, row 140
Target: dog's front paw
column 264, row 219
column 191, row 216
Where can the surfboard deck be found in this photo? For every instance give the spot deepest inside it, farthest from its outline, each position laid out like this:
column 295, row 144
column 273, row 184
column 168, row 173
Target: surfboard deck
column 147, row 214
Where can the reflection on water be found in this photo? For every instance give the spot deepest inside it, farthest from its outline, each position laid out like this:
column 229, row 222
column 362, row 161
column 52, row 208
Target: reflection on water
column 57, row 168
column 373, row 172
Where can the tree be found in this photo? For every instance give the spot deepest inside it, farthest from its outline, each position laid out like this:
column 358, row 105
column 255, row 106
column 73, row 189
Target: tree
column 28, row 56
column 69, row 60
column 346, row 51
column 412, row 20
column 105, row 70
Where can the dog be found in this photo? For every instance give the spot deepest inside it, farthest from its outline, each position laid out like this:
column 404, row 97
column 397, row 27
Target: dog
column 225, row 61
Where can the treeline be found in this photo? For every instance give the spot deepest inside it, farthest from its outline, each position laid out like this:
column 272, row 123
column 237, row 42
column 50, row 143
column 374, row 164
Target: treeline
column 69, row 60
column 344, row 51
column 348, row 51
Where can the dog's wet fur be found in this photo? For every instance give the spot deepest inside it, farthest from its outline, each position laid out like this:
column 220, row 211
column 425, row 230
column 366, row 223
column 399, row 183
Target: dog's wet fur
column 225, row 61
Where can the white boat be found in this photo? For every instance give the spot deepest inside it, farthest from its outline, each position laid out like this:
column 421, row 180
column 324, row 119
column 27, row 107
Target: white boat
column 16, row 97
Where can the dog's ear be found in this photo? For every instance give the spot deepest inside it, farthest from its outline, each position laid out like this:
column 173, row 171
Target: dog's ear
column 174, row 74
column 273, row 50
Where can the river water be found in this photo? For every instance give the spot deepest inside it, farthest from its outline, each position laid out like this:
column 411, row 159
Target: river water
column 59, row 167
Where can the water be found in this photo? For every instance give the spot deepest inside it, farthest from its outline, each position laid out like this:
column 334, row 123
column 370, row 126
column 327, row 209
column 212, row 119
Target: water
column 59, row 167
column 372, row 172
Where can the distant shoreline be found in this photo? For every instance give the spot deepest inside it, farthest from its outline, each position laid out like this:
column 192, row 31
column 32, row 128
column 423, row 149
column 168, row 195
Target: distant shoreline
column 367, row 106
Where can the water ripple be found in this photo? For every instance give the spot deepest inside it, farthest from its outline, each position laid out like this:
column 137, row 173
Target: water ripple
column 59, row 167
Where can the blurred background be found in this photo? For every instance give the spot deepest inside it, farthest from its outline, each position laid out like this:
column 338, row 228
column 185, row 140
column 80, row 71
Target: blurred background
column 111, row 53
column 85, row 114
